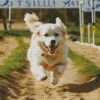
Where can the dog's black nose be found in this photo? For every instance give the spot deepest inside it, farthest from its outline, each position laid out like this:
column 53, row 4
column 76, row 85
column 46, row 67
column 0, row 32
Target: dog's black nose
column 53, row 41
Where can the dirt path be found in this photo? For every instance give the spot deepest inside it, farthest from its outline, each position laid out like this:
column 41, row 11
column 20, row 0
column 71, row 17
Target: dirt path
column 6, row 47
column 89, row 52
column 25, row 87
column 72, row 86
column 15, row 26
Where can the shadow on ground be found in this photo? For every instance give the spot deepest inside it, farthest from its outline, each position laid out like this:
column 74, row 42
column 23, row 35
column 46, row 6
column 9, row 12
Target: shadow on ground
column 82, row 88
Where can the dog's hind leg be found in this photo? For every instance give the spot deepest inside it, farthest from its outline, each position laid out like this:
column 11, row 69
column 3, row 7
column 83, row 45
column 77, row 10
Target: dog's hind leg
column 60, row 69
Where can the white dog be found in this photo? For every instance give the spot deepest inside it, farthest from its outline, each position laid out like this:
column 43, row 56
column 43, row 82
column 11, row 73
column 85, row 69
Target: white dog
column 48, row 49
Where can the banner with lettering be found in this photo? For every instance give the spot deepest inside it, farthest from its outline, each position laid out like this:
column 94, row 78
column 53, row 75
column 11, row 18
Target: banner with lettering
column 49, row 4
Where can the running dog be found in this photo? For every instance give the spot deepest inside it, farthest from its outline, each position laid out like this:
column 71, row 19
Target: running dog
column 48, row 49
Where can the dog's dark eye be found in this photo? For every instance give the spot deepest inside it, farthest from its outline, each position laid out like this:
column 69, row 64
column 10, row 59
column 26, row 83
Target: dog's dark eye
column 56, row 34
column 46, row 35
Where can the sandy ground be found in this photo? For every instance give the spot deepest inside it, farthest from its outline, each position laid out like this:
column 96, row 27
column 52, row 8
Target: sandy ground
column 1, row 27
column 72, row 86
column 6, row 48
column 89, row 52
column 15, row 26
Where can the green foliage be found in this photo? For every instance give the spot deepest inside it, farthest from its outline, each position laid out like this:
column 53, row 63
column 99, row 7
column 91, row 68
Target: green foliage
column 84, row 65
column 73, row 29
column 1, row 21
column 15, row 60
column 73, row 16
column 51, row 15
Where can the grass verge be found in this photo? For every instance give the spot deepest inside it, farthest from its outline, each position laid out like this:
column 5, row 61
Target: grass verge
column 15, row 33
column 1, row 37
column 15, row 60
column 85, row 66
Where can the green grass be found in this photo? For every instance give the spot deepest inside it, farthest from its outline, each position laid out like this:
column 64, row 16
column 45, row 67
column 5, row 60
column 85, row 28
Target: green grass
column 16, row 60
column 74, row 30
column 84, row 65
column 16, row 33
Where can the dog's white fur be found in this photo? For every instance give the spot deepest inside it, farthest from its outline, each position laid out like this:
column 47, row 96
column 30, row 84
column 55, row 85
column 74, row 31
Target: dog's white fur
column 38, row 54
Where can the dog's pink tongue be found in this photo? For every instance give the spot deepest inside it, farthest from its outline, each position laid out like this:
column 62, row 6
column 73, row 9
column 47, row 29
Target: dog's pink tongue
column 52, row 50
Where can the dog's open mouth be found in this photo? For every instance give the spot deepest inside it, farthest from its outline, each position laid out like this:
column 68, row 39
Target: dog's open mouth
column 51, row 48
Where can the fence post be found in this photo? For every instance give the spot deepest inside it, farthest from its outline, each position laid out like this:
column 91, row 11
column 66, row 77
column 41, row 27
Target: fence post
column 9, row 21
column 88, row 33
column 93, row 20
column 81, row 19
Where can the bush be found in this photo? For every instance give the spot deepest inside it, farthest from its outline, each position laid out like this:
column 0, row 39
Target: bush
column 1, row 37
column 73, row 29
column 51, row 16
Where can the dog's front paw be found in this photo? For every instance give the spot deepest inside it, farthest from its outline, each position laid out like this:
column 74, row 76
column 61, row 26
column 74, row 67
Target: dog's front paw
column 41, row 77
column 54, row 81
column 54, row 78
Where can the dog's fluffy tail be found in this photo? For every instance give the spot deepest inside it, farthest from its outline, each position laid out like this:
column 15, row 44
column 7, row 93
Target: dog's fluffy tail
column 32, row 21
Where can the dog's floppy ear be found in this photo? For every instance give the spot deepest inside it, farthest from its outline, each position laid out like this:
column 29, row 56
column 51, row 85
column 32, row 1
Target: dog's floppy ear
column 61, row 25
column 32, row 21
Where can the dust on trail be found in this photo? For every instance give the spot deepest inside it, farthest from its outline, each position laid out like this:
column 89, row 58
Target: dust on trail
column 89, row 52
column 72, row 86
column 6, row 47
